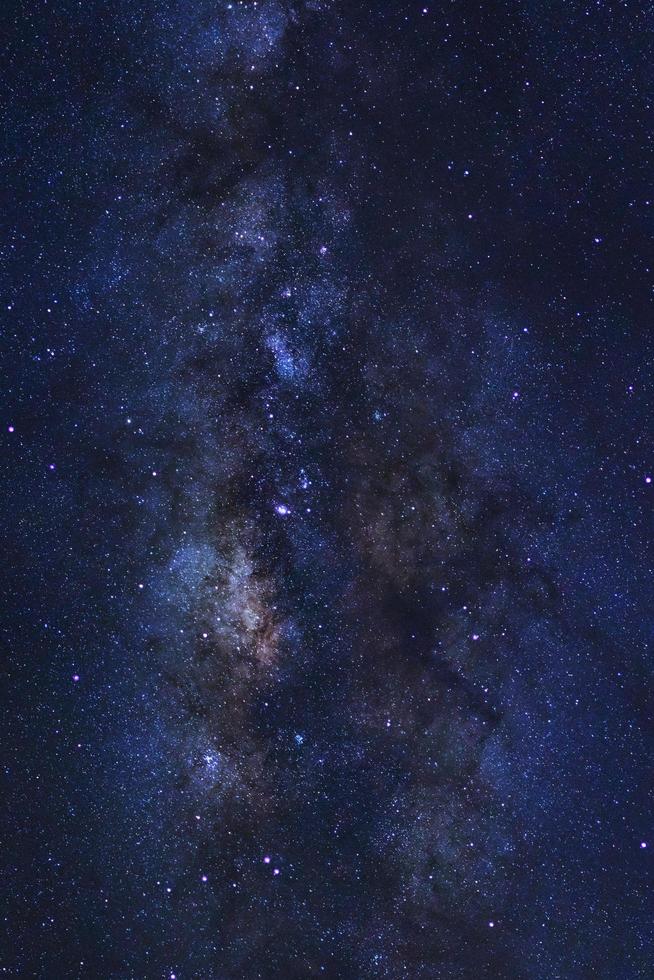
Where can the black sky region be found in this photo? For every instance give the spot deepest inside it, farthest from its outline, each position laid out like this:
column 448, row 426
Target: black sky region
column 327, row 461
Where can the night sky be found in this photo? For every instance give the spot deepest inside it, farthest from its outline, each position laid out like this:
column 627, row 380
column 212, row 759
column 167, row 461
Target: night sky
column 326, row 454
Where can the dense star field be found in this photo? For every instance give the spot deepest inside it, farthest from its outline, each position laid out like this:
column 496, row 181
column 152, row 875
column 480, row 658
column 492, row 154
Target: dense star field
column 327, row 461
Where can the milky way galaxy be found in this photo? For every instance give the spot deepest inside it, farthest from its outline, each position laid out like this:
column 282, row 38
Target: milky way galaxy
column 326, row 455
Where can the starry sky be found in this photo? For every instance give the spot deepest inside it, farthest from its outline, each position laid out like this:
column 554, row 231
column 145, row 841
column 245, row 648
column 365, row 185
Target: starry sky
column 327, row 462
